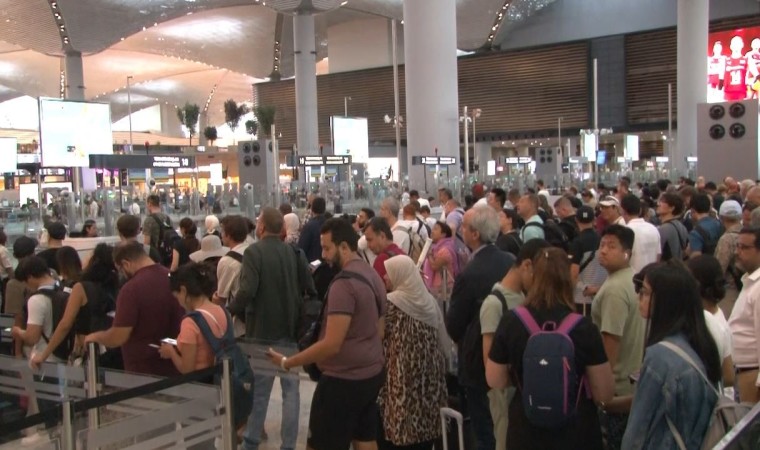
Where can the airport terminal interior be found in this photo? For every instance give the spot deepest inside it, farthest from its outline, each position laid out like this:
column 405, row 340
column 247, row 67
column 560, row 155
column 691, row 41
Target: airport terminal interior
column 380, row 224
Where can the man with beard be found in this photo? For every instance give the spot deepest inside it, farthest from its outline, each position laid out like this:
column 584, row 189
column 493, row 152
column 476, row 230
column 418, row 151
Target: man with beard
column 146, row 312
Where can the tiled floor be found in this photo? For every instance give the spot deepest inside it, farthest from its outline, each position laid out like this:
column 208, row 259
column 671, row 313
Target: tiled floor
column 272, row 425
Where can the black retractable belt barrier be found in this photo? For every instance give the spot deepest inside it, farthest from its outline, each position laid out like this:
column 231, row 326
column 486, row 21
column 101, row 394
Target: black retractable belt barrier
column 90, row 403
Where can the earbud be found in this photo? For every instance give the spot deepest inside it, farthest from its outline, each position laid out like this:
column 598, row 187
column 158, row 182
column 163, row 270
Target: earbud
column 626, row 256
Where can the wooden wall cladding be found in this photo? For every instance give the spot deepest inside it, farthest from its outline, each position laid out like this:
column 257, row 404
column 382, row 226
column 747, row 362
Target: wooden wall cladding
column 521, row 91
column 650, row 59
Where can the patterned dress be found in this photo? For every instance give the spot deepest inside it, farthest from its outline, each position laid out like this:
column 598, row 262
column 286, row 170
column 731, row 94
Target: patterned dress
column 415, row 388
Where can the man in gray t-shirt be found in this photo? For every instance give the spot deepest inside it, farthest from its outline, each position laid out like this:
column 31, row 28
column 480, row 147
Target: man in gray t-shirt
column 674, row 238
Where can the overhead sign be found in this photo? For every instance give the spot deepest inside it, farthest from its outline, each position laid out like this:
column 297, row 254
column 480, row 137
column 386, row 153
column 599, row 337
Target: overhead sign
column 141, row 161
column 518, row 160
column 691, row 159
column 662, row 159
column 433, row 160
column 330, row 160
column 577, row 160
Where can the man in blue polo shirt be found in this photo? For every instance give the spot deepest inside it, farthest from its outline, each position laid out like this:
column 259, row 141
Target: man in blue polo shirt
column 703, row 238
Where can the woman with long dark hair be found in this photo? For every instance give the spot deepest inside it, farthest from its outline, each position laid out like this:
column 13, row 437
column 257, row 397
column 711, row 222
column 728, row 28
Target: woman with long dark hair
column 675, row 392
column 89, row 229
column 550, row 299
column 69, row 266
column 90, row 307
column 187, row 244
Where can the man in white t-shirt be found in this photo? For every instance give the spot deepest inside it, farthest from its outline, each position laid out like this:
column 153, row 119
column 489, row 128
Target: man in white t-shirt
column 36, row 274
column 646, row 242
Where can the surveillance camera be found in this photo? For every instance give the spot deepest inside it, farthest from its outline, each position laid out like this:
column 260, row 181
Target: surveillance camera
column 151, row 182
column 248, row 187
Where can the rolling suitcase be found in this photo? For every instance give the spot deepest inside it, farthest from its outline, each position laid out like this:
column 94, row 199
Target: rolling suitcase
column 448, row 414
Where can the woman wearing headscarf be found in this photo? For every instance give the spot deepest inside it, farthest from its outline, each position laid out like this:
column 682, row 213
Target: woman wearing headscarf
column 441, row 256
column 292, row 225
column 414, row 343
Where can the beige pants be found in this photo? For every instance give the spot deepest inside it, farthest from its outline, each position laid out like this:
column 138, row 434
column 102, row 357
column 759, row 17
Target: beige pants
column 498, row 400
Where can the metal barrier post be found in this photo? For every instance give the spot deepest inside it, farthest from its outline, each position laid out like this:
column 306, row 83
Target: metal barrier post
column 91, row 376
column 444, row 285
column 67, row 435
column 229, row 434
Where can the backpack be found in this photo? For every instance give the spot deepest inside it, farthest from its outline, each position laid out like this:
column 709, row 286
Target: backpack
column 312, row 335
column 735, row 272
column 167, row 237
column 550, row 380
column 58, row 299
column 553, row 234
column 667, row 254
column 709, row 243
column 425, row 225
column 464, row 254
column 211, row 264
column 725, row 415
column 472, row 342
column 240, row 370
column 416, row 244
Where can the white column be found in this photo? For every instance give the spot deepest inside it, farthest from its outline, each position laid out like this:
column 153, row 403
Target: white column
column 75, row 91
column 692, row 30
column 482, row 156
column 305, row 61
column 432, row 104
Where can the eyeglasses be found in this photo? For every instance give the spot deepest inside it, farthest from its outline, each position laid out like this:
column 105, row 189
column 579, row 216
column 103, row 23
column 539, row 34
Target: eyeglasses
column 741, row 246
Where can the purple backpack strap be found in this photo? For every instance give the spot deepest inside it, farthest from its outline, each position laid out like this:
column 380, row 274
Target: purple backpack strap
column 527, row 319
column 568, row 323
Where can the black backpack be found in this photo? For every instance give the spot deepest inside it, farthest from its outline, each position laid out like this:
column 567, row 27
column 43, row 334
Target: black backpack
column 167, row 238
column 709, row 243
column 58, row 299
column 667, row 253
column 101, row 303
column 472, row 343
column 553, row 234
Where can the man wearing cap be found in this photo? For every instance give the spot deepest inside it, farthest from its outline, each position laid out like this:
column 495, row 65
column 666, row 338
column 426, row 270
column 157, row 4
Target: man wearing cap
column 730, row 214
column 585, row 270
column 56, row 235
column 646, row 242
column 610, row 211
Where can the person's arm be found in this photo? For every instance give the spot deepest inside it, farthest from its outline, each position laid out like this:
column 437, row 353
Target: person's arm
column 611, row 347
column 37, row 308
column 335, row 333
column 112, row 337
column 497, row 375
column 602, row 382
column 30, row 336
column 77, row 298
column 487, row 343
column 575, row 270
column 182, row 356
column 642, row 420
column 440, row 259
column 728, row 371
column 175, row 260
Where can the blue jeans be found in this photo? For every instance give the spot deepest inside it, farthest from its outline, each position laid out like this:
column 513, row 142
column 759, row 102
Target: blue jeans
column 291, row 402
column 478, row 407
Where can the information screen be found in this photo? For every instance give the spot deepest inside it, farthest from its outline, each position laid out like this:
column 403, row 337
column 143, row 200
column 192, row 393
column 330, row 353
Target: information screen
column 733, row 65
column 72, row 131
column 351, row 137
column 8, row 156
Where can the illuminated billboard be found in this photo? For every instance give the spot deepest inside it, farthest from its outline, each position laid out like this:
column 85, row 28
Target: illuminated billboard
column 351, row 138
column 733, row 65
column 71, row 131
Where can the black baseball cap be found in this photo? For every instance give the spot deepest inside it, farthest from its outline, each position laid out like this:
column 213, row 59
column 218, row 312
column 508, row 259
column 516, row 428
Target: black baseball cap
column 585, row 214
column 24, row 246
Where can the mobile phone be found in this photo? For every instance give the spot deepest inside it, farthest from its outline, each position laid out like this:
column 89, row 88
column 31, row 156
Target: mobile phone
column 169, row 341
column 153, row 345
column 7, row 330
column 634, row 377
column 315, row 264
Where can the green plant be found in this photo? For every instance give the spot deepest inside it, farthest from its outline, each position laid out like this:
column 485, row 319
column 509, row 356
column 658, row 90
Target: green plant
column 211, row 134
column 265, row 117
column 251, row 127
column 233, row 113
column 188, row 116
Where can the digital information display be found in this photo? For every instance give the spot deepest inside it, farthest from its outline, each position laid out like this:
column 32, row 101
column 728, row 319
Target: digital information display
column 351, row 137
column 8, row 158
column 733, row 65
column 72, row 131
column 141, row 162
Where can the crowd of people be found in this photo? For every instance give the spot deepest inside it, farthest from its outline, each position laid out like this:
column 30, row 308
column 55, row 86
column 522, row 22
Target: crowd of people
column 653, row 285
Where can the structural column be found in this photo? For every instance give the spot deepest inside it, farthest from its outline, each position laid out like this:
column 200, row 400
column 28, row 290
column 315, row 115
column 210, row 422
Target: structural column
column 692, row 31
column 432, row 106
column 482, row 156
column 305, row 61
column 74, row 72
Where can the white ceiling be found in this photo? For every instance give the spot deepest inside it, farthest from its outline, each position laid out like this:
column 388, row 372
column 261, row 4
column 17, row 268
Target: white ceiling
column 181, row 51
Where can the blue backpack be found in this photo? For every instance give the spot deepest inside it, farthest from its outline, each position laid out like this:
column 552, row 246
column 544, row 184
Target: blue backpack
column 242, row 374
column 550, row 381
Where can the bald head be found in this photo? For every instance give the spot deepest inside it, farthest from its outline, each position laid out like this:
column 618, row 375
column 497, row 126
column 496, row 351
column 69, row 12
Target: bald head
column 753, row 196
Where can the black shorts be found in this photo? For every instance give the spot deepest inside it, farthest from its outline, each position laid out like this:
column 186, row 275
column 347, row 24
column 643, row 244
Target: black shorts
column 343, row 411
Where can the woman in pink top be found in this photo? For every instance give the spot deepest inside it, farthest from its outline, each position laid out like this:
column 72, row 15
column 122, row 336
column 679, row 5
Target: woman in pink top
column 442, row 256
column 192, row 285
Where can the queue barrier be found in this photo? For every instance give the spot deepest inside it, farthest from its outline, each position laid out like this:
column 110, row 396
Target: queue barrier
column 122, row 409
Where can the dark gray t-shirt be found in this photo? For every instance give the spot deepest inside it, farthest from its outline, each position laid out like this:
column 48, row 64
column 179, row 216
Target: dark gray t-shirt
column 674, row 238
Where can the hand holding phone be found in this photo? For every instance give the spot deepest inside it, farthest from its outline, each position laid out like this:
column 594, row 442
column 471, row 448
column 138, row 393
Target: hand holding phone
column 169, row 341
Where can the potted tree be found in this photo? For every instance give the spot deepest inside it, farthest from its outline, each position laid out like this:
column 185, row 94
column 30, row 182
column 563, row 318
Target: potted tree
column 211, row 134
column 232, row 115
column 188, row 116
column 265, row 117
column 251, row 127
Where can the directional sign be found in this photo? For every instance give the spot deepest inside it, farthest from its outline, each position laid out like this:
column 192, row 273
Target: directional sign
column 330, row 160
column 433, row 160
column 518, row 160
column 141, row 161
column 577, row 160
